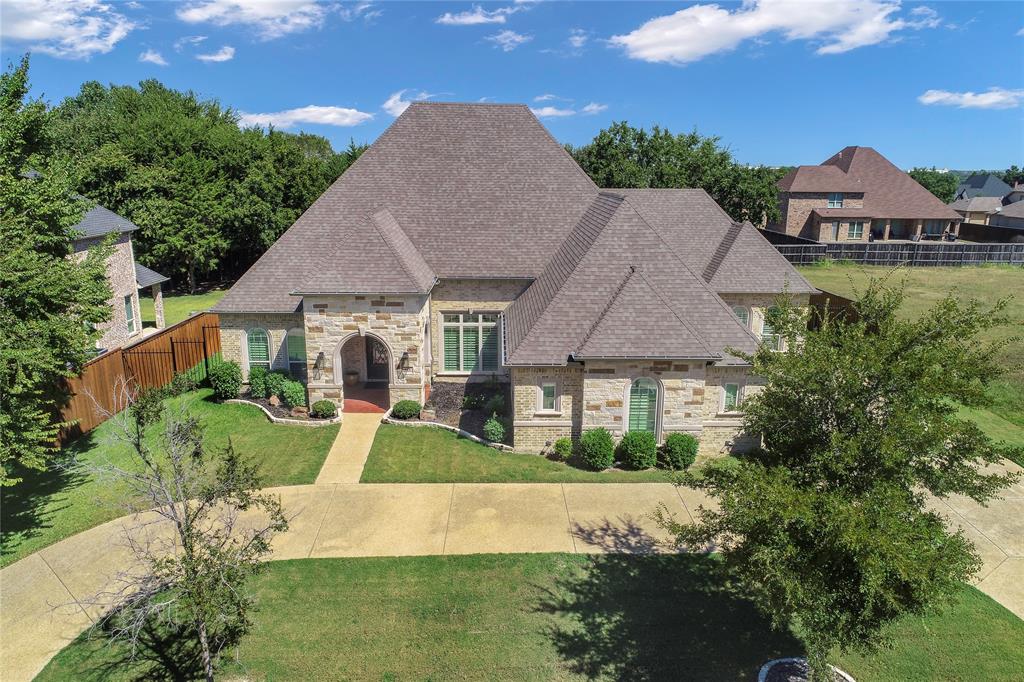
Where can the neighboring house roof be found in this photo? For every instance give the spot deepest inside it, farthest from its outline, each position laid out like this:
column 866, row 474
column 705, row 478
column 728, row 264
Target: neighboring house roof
column 1014, row 210
column 888, row 191
column 99, row 221
column 982, row 185
column 144, row 277
column 978, row 204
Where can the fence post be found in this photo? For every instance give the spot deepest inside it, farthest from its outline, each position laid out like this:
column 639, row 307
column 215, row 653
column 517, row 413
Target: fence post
column 174, row 358
column 206, row 354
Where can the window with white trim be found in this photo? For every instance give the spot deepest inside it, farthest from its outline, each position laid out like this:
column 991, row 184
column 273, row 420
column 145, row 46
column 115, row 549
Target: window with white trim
column 258, row 342
column 769, row 336
column 855, row 230
column 731, row 398
column 835, row 199
column 129, row 314
column 743, row 313
column 548, row 397
column 296, row 342
column 470, row 342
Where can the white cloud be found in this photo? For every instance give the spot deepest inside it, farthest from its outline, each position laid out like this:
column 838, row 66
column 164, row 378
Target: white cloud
column 993, row 98
column 548, row 97
column 181, row 42
column 1020, row 32
column 551, row 112
column 69, row 29
column 578, row 38
column 509, row 40
column 153, row 57
column 395, row 104
column 593, row 108
column 331, row 116
column 477, row 15
column 837, row 26
column 224, row 54
column 272, row 18
column 360, row 10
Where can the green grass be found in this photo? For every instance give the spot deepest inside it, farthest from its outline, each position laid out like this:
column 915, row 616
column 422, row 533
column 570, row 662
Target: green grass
column 926, row 286
column 179, row 307
column 49, row 506
column 541, row 617
column 405, row 454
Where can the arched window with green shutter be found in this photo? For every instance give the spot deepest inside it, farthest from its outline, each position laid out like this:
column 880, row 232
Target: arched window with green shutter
column 259, row 348
column 643, row 405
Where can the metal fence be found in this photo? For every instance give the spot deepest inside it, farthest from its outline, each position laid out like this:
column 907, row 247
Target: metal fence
column 910, row 253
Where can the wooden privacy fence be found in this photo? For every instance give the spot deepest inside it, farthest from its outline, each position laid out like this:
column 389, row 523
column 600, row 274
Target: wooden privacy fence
column 910, row 253
column 99, row 391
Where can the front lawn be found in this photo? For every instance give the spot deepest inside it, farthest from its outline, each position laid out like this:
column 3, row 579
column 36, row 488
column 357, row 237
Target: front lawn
column 52, row 505
column 541, row 617
column 407, row 454
column 178, row 307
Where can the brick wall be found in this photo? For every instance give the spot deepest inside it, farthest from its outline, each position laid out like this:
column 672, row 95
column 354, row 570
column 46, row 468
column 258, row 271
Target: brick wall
column 534, row 430
column 121, row 276
column 796, row 210
column 234, row 328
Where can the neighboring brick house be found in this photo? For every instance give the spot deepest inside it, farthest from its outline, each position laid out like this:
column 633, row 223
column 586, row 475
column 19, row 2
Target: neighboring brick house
column 466, row 244
column 125, row 276
column 856, row 194
column 977, row 209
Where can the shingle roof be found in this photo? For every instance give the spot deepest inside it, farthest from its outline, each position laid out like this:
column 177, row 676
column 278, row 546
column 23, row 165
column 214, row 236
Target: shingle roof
column 144, row 277
column 98, row 221
column 983, row 185
column 978, row 203
column 819, row 179
column 1014, row 210
column 845, row 213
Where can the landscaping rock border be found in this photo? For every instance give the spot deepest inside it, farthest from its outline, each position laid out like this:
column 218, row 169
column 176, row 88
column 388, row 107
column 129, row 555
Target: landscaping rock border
column 284, row 420
column 388, row 419
column 794, row 670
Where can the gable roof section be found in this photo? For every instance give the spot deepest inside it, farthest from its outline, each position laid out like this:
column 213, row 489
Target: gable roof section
column 144, row 277
column 988, row 204
column 888, row 191
column 819, row 179
column 983, row 185
column 458, row 178
column 587, row 293
column 99, row 221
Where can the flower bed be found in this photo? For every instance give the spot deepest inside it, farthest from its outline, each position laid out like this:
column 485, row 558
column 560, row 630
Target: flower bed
column 465, row 406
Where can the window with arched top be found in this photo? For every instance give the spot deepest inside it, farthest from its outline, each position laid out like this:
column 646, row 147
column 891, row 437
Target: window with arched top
column 743, row 313
column 643, row 405
column 258, row 342
column 296, row 344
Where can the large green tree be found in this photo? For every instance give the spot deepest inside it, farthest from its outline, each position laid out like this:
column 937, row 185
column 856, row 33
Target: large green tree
column 1013, row 176
column 49, row 299
column 942, row 184
column 624, row 156
column 210, row 197
column 828, row 525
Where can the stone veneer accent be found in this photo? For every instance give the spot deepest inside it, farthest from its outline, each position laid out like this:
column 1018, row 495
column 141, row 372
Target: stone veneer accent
column 121, row 277
column 534, row 430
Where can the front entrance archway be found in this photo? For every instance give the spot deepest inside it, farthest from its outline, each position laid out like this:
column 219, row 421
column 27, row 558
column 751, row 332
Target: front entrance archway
column 363, row 362
column 377, row 362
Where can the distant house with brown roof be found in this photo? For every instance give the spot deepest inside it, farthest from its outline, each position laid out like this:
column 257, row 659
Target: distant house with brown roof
column 858, row 193
column 465, row 244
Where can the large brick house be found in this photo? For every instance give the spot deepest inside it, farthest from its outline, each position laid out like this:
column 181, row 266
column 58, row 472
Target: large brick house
column 858, row 193
column 467, row 244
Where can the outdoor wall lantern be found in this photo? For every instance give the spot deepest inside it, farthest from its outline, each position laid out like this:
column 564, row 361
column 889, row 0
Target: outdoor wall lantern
column 403, row 365
column 318, row 365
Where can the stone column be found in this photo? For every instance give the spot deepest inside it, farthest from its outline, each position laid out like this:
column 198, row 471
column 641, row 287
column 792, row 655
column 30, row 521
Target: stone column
column 885, row 232
column 919, row 225
column 158, row 305
column 956, row 228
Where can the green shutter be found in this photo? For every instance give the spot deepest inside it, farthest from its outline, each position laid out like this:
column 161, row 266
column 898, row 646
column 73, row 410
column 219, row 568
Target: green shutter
column 296, row 348
column 490, row 349
column 470, row 349
column 259, row 348
column 731, row 394
column 643, row 405
column 451, row 349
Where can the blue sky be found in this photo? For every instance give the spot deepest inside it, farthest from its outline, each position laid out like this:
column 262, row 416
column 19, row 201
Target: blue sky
column 780, row 81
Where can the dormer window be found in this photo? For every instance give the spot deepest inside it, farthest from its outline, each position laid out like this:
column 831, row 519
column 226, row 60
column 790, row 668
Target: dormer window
column 835, row 199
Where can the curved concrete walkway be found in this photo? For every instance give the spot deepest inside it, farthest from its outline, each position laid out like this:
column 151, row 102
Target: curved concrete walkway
column 342, row 518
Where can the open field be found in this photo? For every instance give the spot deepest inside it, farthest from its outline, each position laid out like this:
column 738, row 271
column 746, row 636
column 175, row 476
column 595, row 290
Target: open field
column 179, row 307
column 541, row 617
column 67, row 499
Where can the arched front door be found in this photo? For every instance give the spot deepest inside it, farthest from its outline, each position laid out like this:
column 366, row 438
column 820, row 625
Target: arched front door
column 643, row 406
column 376, row 361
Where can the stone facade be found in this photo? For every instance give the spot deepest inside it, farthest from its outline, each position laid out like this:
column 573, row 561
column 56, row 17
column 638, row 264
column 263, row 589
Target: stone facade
column 757, row 304
column 463, row 296
column 533, row 428
column 121, row 277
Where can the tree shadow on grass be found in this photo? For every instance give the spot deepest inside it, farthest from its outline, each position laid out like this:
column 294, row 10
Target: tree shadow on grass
column 660, row 617
column 28, row 507
column 162, row 655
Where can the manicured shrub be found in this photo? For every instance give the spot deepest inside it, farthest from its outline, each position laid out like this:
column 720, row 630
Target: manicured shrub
column 182, row 382
column 225, row 379
column 293, row 393
column 275, row 383
column 472, row 402
column 258, row 382
column 494, row 430
column 406, row 409
column 495, row 404
column 639, row 449
column 597, row 448
column 324, row 409
column 680, row 450
column 563, row 448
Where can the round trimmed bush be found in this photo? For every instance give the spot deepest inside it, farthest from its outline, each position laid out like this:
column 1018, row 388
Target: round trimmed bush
column 680, row 450
column 258, row 382
column 324, row 409
column 639, row 449
column 293, row 393
column 563, row 448
column 494, row 430
column 597, row 448
column 225, row 379
column 406, row 409
column 275, row 383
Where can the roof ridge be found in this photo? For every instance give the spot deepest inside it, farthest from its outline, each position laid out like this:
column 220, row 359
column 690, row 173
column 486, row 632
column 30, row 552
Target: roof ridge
column 399, row 256
column 722, row 251
column 630, row 271
column 697, row 335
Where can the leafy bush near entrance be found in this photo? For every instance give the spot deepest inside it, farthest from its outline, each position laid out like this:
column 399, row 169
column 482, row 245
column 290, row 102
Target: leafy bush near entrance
column 563, row 448
column 597, row 448
column 680, row 450
column 639, row 449
column 494, row 430
column 293, row 393
column 225, row 379
column 275, row 382
column 324, row 409
column 258, row 382
column 406, row 409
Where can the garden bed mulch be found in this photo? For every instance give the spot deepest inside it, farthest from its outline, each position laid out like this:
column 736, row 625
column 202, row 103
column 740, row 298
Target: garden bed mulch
column 280, row 411
column 448, row 397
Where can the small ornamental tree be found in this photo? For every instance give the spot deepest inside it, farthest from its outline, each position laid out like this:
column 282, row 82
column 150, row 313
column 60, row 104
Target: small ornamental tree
column 826, row 525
